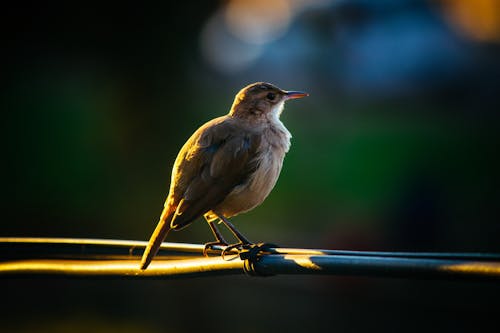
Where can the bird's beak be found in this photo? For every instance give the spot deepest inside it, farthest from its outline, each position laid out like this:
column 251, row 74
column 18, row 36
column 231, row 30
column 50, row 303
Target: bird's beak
column 295, row 94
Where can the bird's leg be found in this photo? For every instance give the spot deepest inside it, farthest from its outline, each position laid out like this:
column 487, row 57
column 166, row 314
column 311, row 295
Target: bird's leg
column 243, row 241
column 218, row 236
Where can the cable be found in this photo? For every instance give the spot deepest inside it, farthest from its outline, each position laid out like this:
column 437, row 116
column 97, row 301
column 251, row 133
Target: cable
column 120, row 258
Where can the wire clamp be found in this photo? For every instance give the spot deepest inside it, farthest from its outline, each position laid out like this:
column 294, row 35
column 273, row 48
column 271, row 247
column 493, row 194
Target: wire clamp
column 252, row 255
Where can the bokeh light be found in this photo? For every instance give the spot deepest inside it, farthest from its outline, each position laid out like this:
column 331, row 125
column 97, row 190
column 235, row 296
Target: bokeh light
column 480, row 21
column 258, row 22
column 235, row 36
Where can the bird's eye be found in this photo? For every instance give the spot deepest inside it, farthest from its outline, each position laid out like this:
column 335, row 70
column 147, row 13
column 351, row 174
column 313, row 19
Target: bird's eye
column 271, row 96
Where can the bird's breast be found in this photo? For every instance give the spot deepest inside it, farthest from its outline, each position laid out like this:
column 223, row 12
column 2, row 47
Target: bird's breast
column 268, row 161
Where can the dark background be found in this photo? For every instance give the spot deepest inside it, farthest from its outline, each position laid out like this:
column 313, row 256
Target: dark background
column 395, row 149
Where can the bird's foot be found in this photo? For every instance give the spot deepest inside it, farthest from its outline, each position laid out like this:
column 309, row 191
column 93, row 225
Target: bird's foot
column 248, row 250
column 254, row 250
column 239, row 247
column 212, row 245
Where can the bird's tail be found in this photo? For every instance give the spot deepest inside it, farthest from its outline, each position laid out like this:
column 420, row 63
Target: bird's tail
column 158, row 236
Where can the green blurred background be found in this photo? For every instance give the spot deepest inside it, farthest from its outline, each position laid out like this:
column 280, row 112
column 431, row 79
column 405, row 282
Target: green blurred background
column 395, row 149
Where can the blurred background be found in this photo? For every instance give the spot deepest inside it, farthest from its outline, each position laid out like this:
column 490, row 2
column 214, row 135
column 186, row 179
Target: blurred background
column 395, row 149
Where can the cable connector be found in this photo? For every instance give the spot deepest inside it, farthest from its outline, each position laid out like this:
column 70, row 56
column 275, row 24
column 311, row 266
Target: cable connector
column 252, row 256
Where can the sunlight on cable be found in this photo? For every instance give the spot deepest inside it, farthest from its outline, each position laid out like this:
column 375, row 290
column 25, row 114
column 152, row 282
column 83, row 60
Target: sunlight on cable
column 303, row 261
column 485, row 267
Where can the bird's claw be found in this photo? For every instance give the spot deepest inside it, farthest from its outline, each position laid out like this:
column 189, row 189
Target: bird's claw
column 248, row 250
column 211, row 245
column 238, row 247
column 244, row 250
column 254, row 250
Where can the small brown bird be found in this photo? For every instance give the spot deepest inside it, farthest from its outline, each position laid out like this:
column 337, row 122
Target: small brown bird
column 228, row 166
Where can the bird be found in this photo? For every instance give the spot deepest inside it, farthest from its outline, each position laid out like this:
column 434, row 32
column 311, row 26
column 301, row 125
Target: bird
column 227, row 167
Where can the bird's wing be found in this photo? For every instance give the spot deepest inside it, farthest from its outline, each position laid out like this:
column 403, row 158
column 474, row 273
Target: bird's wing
column 218, row 157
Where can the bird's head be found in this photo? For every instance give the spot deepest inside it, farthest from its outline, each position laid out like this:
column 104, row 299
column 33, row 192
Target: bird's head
column 262, row 100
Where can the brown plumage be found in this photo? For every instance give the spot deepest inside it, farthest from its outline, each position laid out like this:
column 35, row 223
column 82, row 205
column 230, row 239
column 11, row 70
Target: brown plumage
column 228, row 166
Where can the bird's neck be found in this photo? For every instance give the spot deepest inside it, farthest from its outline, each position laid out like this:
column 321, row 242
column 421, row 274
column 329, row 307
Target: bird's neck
column 256, row 114
column 278, row 129
column 267, row 123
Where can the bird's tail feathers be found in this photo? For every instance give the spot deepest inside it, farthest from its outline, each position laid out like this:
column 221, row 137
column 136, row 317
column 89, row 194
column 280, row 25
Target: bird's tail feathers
column 158, row 236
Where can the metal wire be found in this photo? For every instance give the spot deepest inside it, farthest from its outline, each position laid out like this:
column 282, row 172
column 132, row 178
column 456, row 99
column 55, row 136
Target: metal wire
column 120, row 259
